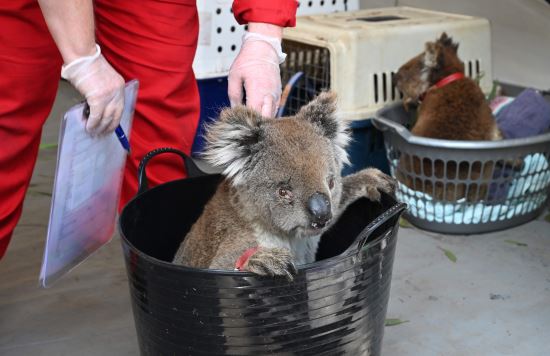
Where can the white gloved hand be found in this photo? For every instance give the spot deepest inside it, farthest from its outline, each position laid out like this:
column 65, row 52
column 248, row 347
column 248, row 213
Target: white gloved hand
column 257, row 68
column 103, row 89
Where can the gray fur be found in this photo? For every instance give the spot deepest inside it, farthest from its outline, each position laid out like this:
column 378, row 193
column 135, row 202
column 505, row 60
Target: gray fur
column 263, row 157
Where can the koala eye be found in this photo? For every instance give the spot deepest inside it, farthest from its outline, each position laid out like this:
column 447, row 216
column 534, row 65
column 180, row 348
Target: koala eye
column 331, row 183
column 284, row 193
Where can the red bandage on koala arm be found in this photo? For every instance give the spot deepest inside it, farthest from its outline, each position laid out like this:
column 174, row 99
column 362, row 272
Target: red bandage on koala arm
column 243, row 259
column 279, row 12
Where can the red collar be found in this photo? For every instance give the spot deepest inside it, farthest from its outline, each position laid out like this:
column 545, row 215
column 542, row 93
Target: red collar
column 448, row 79
column 244, row 258
column 440, row 84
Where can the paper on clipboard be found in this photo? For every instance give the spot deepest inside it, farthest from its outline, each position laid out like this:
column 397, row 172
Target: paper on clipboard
column 86, row 191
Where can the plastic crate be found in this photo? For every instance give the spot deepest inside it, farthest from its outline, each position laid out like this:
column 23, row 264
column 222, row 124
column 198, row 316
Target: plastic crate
column 357, row 53
column 220, row 35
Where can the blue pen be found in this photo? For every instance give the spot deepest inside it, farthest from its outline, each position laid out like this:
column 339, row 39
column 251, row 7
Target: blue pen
column 122, row 138
column 118, row 131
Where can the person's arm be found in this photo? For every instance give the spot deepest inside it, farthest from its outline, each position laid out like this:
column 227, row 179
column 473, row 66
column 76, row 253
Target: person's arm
column 257, row 64
column 71, row 24
column 266, row 29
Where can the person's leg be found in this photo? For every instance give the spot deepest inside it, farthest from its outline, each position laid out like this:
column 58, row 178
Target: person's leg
column 30, row 66
column 154, row 42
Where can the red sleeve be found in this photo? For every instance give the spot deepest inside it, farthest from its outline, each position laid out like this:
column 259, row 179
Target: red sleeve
column 276, row 12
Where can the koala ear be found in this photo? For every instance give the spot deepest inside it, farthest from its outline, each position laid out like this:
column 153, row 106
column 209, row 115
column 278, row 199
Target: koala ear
column 432, row 55
column 447, row 42
column 232, row 140
column 321, row 113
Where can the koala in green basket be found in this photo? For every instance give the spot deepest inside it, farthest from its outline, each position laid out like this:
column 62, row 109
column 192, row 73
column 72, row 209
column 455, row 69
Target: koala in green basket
column 282, row 190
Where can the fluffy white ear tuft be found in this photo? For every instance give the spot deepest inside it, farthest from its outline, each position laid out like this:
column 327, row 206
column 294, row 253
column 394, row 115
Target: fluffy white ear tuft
column 232, row 140
column 321, row 112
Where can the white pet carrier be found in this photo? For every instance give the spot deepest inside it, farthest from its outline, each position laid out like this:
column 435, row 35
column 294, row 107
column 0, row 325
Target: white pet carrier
column 220, row 35
column 356, row 53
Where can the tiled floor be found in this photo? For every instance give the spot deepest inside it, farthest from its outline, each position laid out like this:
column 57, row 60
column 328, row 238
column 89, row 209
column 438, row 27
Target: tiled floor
column 494, row 300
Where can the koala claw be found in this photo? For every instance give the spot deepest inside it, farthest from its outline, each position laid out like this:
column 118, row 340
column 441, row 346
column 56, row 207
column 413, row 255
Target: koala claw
column 272, row 262
column 376, row 182
column 367, row 183
column 373, row 194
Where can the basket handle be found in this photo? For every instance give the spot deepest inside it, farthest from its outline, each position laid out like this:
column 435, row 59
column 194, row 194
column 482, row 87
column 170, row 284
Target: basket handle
column 384, row 124
column 190, row 166
column 361, row 240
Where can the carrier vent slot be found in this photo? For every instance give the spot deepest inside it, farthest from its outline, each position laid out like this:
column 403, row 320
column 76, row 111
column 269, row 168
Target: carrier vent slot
column 379, row 18
column 385, row 87
column 393, row 86
column 375, row 82
column 473, row 69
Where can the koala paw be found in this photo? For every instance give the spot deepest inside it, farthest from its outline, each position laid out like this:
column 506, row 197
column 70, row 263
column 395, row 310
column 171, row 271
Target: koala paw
column 379, row 182
column 371, row 182
column 272, row 262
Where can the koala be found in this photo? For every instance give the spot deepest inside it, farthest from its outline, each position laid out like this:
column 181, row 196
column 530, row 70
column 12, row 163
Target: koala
column 282, row 188
column 455, row 111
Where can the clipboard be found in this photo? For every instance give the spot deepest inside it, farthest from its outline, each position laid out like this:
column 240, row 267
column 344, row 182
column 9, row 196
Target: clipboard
column 86, row 191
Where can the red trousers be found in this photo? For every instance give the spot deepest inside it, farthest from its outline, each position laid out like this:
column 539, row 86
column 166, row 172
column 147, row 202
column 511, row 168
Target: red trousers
column 152, row 41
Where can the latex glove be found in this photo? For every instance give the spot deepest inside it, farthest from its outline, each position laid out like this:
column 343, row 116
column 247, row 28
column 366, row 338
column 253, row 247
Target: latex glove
column 103, row 89
column 257, row 68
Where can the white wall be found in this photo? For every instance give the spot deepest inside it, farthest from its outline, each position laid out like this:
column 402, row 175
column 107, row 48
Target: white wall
column 520, row 30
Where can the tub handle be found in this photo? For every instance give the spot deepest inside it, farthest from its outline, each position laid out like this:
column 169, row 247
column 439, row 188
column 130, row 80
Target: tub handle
column 364, row 235
column 190, row 166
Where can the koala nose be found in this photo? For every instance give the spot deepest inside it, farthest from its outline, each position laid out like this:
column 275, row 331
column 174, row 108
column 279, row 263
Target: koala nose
column 319, row 208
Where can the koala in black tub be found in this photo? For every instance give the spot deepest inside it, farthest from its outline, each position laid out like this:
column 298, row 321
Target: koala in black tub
column 282, row 190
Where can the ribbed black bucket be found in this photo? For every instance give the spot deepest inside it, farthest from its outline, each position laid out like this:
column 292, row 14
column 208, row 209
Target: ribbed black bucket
column 334, row 306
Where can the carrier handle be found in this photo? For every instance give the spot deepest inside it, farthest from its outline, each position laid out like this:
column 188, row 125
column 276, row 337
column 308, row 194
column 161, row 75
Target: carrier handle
column 190, row 166
column 364, row 235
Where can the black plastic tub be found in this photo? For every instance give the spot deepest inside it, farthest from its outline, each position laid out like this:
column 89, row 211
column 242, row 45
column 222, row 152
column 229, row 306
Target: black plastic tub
column 334, row 306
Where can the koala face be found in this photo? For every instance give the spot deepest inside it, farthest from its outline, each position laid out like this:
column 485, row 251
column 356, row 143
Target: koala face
column 295, row 182
column 286, row 172
column 416, row 76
